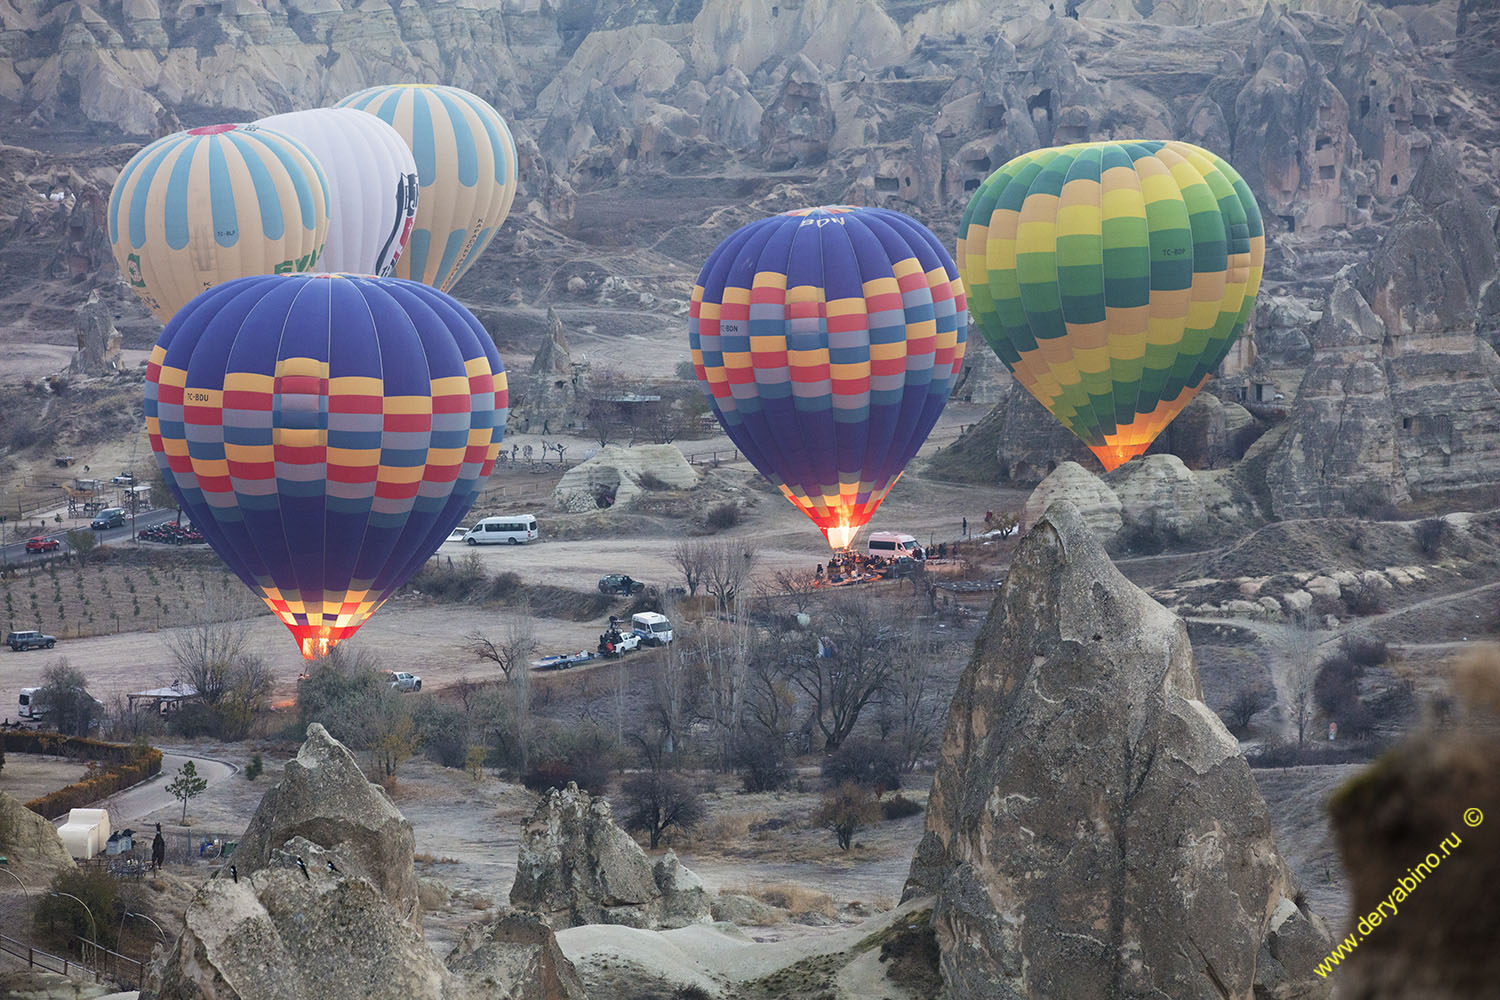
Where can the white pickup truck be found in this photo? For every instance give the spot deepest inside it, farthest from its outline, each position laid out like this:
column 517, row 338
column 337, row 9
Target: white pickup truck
column 402, row 681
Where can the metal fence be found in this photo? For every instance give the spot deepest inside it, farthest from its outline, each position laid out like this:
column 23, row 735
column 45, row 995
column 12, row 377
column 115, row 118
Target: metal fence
column 108, row 965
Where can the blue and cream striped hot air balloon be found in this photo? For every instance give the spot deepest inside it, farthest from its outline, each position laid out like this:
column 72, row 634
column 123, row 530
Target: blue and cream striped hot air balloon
column 466, row 160
column 325, row 433
column 827, row 341
column 200, row 207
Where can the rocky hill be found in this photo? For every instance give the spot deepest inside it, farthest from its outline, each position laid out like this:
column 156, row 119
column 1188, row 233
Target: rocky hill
column 650, row 128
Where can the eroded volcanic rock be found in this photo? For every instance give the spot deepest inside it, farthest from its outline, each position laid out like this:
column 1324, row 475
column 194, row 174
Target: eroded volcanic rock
column 324, row 797
column 577, row 867
column 1093, row 830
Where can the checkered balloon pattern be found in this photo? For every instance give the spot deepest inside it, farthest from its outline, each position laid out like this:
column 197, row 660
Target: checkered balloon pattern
column 827, row 341
column 325, row 433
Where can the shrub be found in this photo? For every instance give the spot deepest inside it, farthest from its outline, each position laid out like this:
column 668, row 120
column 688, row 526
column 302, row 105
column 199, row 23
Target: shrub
column 722, row 516
column 899, row 807
column 584, row 754
column 1370, row 502
column 1430, row 535
column 193, row 720
column 874, row 764
column 58, row 919
column 762, row 763
column 651, row 481
column 657, row 801
column 254, row 768
column 845, row 810
column 443, row 731
column 1364, row 650
column 1364, row 599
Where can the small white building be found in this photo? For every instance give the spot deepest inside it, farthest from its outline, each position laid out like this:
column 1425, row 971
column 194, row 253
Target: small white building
column 86, row 832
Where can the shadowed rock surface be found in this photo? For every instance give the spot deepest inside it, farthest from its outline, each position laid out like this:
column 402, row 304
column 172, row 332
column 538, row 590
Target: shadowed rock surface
column 35, row 850
column 516, row 957
column 1093, row 830
column 577, row 867
column 324, row 797
column 1411, row 802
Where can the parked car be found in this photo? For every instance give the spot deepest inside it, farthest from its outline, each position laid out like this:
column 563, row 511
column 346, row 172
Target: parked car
column 403, row 681
column 620, row 583
column 113, row 517
column 457, row 534
column 124, row 479
column 29, row 640
column 42, row 545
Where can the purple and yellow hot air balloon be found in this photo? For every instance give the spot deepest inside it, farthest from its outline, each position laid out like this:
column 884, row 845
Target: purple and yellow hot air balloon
column 326, row 433
column 827, row 341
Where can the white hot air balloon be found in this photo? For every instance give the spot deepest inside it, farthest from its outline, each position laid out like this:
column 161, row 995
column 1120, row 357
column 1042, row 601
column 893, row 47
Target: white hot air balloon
column 372, row 180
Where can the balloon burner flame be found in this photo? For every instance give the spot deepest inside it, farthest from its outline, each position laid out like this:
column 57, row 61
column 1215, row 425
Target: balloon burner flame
column 840, row 535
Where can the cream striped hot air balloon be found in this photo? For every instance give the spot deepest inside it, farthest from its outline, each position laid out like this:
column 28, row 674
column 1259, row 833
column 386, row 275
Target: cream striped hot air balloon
column 200, row 207
column 466, row 161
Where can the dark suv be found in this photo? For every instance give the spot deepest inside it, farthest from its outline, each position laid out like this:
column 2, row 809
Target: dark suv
column 114, row 517
column 29, row 640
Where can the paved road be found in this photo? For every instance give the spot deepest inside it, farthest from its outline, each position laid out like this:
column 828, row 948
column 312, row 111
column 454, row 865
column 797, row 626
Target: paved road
column 128, row 808
column 15, row 549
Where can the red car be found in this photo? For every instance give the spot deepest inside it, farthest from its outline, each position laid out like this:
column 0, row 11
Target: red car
column 42, row 545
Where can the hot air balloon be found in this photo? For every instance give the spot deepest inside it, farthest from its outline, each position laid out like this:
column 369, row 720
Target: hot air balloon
column 1111, row 278
column 466, row 160
column 372, row 180
column 325, row 433
column 827, row 341
column 199, row 207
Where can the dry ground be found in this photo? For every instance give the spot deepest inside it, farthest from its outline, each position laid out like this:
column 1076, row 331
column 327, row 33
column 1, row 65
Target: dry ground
column 28, row 776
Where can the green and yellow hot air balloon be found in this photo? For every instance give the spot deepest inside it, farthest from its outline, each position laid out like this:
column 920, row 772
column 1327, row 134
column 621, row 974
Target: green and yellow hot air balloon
column 1111, row 278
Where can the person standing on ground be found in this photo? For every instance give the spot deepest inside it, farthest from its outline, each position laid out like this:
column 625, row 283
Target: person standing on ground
column 158, row 850
column 966, row 527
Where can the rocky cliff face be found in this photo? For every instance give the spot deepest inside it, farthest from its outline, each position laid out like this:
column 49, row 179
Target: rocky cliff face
column 1402, row 394
column 1093, row 830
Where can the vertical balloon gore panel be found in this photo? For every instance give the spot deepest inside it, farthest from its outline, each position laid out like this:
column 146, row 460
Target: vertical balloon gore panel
column 827, row 341
column 466, row 163
column 325, row 433
column 1112, row 278
column 204, row 206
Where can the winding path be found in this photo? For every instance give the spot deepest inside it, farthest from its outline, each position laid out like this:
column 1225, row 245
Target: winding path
column 128, row 807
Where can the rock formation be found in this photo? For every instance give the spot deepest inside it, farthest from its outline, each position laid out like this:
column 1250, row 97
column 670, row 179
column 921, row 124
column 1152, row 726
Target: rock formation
column 612, row 477
column 577, row 867
column 275, row 934
column 1033, row 442
column 35, row 850
column 1093, row 830
column 1402, row 395
column 515, row 956
column 324, row 798
column 1405, row 842
column 1096, row 502
column 98, row 340
column 798, row 125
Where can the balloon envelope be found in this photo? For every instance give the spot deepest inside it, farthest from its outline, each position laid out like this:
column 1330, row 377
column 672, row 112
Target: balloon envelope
column 827, row 341
column 200, row 207
column 372, row 182
column 325, row 433
column 1111, row 278
column 466, row 160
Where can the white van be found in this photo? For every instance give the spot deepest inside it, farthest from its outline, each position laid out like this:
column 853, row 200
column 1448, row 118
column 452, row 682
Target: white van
column 654, row 629
column 27, row 705
column 513, row 528
column 891, row 544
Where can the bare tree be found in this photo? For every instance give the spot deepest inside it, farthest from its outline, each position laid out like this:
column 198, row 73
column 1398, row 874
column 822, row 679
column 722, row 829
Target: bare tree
column 770, row 699
column 723, row 648
column 851, row 669
column 797, row 586
column 512, row 650
column 672, row 706
column 1302, row 675
column 911, row 713
column 206, row 653
column 246, row 696
column 691, row 557
column 727, row 570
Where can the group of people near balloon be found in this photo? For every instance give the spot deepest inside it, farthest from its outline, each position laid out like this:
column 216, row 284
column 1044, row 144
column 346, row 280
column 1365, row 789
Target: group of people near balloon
column 326, row 413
